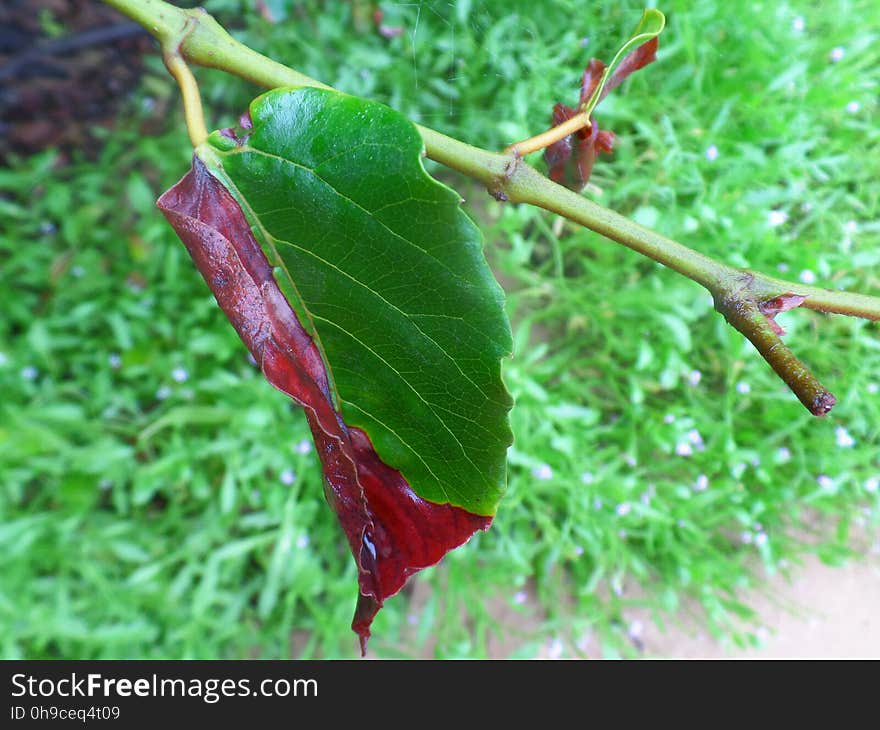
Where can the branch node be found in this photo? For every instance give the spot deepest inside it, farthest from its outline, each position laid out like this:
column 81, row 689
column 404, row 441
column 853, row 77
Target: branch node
column 754, row 319
column 499, row 185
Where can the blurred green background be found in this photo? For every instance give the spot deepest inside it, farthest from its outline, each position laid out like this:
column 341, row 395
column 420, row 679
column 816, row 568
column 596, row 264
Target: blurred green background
column 159, row 499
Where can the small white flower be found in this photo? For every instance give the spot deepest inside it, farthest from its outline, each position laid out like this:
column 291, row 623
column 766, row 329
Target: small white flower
column 825, row 481
column 761, row 539
column 746, row 537
column 702, row 483
column 542, row 472
column 755, row 461
column 695, row 438
column 29, row 372
column 837, row 54
column 872, row 387
column 302, row 542
column 163, row 392
column 3, row 359
column 694, row 377
column 520, row 597
column 630, row 460
column 635, row 630
column 853, row 107
column 623, row 509
column 287, row 477
column 303, row 447
column 412, row 619
column 115, row 360
column 807, row 277
column 782, row 267
column 711, row 153
column 179, row 375
column 798, row 24
column 578, row 551
column 554, row 651
column 683, row 448
column 872, row 484
column 597, row 504
column 843, row 438
column 668, row 418
column 743, row 387
column 776, row 218
column 587, row 477
column 783, row 455
column 850, row 227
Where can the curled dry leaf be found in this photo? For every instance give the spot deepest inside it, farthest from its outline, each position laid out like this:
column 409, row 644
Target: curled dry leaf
column 392, row 531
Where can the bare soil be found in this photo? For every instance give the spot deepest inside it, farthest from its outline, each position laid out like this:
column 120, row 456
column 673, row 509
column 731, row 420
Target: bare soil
column 824, row 612
column 64, row 69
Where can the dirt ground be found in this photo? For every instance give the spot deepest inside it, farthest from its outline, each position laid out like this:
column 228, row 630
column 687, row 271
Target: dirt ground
column 65, row 69
column 823, row 612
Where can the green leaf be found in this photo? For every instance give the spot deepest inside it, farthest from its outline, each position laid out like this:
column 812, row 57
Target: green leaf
column 388, row 275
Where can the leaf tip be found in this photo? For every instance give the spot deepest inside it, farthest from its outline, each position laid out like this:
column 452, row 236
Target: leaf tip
column 364, row 613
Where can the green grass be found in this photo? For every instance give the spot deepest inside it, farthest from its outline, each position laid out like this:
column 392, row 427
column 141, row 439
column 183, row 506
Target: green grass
column 154, row 500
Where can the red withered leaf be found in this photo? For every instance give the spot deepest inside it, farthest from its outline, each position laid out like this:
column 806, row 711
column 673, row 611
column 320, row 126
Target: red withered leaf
column 771, row 307
column 392, row 531
column 570, row 160
column 639, row 58
column 562, row 166
column 591, row 78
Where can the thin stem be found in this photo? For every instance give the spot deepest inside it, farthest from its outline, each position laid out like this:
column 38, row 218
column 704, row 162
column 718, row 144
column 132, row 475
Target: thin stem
column 209, row 45
column 487, row 167
column 192, row 100
column 526, row 185
column 545, row 139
